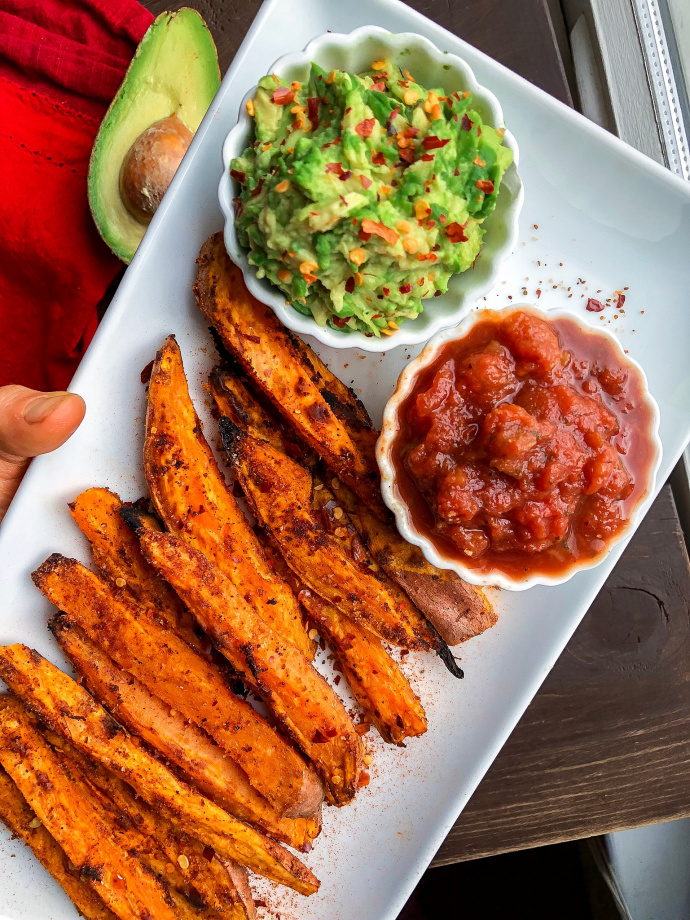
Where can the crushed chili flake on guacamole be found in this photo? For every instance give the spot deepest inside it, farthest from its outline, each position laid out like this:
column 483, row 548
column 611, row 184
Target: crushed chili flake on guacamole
column 363, row 193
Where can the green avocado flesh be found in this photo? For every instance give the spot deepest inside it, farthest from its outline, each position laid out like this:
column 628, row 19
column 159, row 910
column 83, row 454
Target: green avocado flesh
column 175, row 70
column 362, row 194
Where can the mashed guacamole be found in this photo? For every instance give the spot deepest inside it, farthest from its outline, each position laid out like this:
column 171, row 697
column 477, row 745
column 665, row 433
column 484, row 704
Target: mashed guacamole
column 363, row 193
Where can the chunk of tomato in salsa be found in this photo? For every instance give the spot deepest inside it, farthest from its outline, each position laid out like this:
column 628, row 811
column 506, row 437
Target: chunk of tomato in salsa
column 517, row 441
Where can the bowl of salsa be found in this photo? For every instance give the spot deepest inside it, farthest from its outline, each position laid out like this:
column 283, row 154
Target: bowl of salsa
column 519, row 447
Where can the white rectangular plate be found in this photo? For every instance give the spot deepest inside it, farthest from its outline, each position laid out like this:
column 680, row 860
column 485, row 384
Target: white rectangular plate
column 599, row 217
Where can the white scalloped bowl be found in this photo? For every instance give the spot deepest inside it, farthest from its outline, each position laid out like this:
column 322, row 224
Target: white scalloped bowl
column 394, row 500
column 354, row 52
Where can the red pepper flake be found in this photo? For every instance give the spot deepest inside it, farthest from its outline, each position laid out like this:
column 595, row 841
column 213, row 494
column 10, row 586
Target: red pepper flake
column 332, row 143
column 386, row 291
column 594, row 306
column 347, row 110
column 283, row 96
column 335, row 168
column 485, row 185
column 379, row 87
column 466, row 124
column 336, row 679
column 339, row 321
column 363, row 235
column 363, row 728
column 365, row 180
column 538, row 293
column 405, row 651
column 238, row 176
column 345, row 175
column 350, row 285
column 431, row 224
column 620, row 300
column 432, row 142
column 323, row 737
column 363, row 780
column 394, row 114
column 365, row 127
column 145, row 375
column 313, row 111
column 259, row 186
column 426, row 157
column 442, row 218
column 378, row 158
column 405, row 288
column 456, row 232
column 375, row 316
column 407, row 154
column 208, row 853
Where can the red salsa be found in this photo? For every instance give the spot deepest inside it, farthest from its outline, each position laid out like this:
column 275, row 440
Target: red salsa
column 525, row 446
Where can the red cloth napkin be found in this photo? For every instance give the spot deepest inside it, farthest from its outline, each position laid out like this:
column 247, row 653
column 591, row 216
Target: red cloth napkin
column 61, row 62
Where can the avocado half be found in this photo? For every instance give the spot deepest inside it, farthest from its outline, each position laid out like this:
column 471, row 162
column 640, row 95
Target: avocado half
column 174, row 71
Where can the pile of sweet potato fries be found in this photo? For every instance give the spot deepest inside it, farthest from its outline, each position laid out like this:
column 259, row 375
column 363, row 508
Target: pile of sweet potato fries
column 149, row 786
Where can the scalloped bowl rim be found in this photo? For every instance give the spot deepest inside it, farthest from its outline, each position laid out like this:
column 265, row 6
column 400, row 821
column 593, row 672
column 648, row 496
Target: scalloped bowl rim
column 400, row 510
column 408, row 334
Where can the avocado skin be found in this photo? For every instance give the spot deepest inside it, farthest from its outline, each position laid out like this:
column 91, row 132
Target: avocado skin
column 175, row 70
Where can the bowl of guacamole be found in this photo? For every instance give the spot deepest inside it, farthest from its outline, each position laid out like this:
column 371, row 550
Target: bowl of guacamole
column 370, row 189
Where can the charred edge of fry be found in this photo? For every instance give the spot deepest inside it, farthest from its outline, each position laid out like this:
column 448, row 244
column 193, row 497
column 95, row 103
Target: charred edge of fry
column 139, row 520
column 231, row 436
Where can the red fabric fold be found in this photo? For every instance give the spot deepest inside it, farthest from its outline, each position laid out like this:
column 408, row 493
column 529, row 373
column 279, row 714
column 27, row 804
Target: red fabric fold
column 61, row 62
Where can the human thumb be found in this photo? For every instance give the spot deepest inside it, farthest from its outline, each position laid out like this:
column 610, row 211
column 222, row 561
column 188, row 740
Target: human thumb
column 32, row 423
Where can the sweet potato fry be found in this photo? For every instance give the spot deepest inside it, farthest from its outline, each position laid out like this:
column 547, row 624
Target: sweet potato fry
column 286, row 680
column 180, row 860
column 69, row 815
column 281, row 494
column 274, row 359
column 22, row 822
column 184, row 680
column 117, row 554
column 458, row 611
column 378, row 684
column 193, row 500
column 176, row 738
column 68, row 708
column 234, row 399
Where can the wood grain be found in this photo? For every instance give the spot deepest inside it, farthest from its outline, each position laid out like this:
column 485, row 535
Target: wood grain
column 518, row 34
column 605, row 744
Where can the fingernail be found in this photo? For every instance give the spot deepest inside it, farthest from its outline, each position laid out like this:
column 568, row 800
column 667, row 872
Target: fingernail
column 40, row 407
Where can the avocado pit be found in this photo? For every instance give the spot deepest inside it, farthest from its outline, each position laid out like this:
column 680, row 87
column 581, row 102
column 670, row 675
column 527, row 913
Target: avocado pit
column 150, row 165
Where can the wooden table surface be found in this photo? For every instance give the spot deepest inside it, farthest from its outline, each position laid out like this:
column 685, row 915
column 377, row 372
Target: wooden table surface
column 606, row 742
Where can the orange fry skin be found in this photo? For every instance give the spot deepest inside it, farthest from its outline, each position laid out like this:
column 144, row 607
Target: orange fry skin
column 67, row 708
column 185, row 680
column 191, row 496
column 287, row 681
column 275, row 360
column 176, row 738
column 117, row 554
column 458, row 611
column 378, row 684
